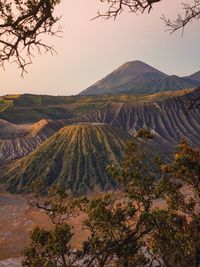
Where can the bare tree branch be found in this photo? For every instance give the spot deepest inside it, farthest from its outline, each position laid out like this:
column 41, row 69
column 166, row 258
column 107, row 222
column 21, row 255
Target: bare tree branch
column 191, row 12
column 22, row 25
column 116, row 7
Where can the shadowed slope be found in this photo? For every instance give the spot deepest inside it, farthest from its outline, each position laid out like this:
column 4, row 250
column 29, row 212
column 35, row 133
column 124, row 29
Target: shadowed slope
column 75, row 158
column 194, row 76
column 165, row 84
column 169, row 120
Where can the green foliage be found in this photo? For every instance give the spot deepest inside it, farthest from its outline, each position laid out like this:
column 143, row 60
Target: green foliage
column 31, row 108
column 170, row 239
column 50, row 247
column 144, row 134
column 177, row 233
column 127, row 228
column 58, row 205
column 119, row 224
column 112, row 237
column 5, row 103
column 186, row 166
column 136, row 175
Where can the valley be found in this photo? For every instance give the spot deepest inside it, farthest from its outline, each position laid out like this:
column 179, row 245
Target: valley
column 69, row 142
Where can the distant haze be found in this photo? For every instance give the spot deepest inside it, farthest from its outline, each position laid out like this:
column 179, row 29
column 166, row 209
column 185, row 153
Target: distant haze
column 89, row 50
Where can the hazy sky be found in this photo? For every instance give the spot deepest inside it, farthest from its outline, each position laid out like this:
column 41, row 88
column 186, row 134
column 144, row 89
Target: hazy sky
column 89, row 50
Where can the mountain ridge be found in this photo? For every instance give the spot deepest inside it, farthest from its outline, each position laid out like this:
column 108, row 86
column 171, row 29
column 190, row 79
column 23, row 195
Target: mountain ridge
column 18, row 140
column 140, row 78
column 168, row 119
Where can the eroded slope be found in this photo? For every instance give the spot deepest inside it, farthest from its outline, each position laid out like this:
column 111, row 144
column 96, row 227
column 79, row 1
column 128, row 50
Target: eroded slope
column 170, row 120
column 17, row 141
column 75, row 158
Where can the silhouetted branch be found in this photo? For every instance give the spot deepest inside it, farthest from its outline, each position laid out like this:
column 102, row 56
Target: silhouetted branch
column 22, row 23
column 191, row 12
column 116, row 7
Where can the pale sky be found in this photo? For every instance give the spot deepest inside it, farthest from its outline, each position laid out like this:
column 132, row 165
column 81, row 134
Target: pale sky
column 89, row 50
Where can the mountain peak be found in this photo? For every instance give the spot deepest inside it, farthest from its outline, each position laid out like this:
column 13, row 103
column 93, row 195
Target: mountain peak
column 117, row 80
column 136, row 68
column 133, row 62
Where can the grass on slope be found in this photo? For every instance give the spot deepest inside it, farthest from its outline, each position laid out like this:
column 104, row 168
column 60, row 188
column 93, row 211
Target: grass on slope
column 76, row 158
column 31, row 108
column 7, row 101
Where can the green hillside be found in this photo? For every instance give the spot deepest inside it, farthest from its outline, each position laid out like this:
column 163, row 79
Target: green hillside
column 7, row 101
column 75, row 158
column 31, row 108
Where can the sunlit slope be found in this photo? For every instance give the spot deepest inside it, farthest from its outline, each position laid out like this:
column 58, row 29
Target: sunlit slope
column 128, row 112
column 32, row 108
column 169, row 119
column 17, row 141
column 75, row 158
column 7, row 101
